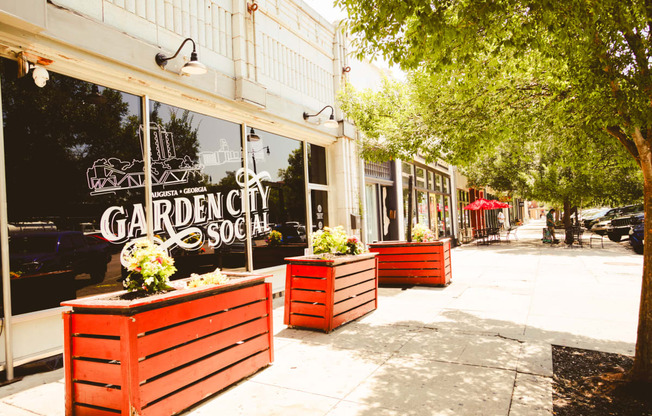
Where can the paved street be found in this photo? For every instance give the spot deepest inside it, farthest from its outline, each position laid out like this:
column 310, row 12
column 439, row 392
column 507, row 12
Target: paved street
column 481, row 346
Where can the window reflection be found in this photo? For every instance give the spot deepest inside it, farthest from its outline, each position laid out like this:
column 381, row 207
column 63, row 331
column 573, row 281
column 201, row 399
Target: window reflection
column 197, row 187
column 316, row 164
column 68, row 147
column 279, row 205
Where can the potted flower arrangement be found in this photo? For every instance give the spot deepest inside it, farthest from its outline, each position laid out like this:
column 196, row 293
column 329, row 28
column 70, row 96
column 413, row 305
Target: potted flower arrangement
column 274, row 238
column 335, row 285
column 149, row 268
column 422, row 261
column 159, row 347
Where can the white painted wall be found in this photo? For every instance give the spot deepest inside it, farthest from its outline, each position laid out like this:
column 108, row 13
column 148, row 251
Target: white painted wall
column 265, row 70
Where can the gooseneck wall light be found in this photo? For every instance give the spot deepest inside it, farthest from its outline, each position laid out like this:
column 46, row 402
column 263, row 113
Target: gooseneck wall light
column 252, row 136
column 39, row 73
column 192, row 67
column 330, row 123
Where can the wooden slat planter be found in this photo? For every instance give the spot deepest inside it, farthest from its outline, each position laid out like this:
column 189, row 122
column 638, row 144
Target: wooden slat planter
column 161, row 354
column 403, row 263
column 326, row 293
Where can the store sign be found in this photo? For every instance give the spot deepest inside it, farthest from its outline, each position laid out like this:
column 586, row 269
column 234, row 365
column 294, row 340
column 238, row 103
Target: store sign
column 201, row 215
column 191, row 216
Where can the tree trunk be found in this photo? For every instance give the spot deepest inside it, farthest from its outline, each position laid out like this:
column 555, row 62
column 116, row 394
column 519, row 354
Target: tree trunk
column 642, row 369
column 567, row 221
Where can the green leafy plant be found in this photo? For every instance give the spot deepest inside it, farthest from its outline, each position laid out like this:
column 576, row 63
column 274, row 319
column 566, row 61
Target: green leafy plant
column 274, row 238
column 150, row 268
column 422, row 234
column 335, row 241
column 213, row 278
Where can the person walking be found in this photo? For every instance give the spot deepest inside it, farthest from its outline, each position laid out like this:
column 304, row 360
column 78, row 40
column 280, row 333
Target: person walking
column 501, row 220
column 550, row 224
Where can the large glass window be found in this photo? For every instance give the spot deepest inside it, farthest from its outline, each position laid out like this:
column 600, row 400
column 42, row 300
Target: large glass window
column 371, row 198
column 319, row 201
column 431, row 180
column 407, row 215
column 420, row 178
column 74, row 170
column 422, row 207
column 280, row 204
column 316, row 164
column 197, row 182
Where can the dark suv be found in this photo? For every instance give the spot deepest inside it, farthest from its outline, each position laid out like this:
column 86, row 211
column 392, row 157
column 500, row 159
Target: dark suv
column 620, row 225
column 49, row 251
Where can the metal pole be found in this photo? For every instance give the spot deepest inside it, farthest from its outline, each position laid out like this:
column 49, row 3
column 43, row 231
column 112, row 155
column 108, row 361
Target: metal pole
column 245, row 200
column 147, row 167
column 4, row 245
column 409, row 215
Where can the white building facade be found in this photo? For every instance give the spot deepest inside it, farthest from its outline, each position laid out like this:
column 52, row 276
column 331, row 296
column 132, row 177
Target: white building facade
column 228, row 155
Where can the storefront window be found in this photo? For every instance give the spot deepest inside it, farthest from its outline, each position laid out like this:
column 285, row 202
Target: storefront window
column 319, row 201
column 317, row 164
column 431, row 180
column 422, row 207
column 434, row 214
column 74, row 169
column 197, row 182
column 407, row 216
column 420, row 178
column 371, row 198
column 406, row 168
column 448, row 215
column 437, row 182
column 280, row 202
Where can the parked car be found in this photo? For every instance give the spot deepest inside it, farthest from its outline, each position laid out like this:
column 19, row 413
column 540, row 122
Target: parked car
column 592, row 218
column 602, row 225
column 587, row 215
column 637, row 234
column 49, row 251
column 620, row 226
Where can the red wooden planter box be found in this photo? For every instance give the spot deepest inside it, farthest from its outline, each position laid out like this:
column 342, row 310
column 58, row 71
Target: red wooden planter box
column 325, row 293
column 161, row 354
column 403, row 263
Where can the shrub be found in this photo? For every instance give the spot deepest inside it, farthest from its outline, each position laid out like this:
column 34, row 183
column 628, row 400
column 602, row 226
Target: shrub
column 422, row 234
column 149, row 268
column 335, row 241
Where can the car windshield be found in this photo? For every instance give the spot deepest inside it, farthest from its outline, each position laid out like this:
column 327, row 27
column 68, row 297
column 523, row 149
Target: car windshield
column 37, row 243
column 598, row 214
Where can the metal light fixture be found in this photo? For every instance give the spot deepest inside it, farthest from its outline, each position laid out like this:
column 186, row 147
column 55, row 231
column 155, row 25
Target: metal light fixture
column 193, row 67
column 330, row 123
column 95, row 97
column 39, row 73
column 252, row 136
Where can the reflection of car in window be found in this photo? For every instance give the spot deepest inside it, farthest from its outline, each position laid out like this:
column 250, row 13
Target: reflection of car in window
column 292, row 232
column 42, row 252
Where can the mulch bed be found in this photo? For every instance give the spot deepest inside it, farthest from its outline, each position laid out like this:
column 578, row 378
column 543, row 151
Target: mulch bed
column 594, row 383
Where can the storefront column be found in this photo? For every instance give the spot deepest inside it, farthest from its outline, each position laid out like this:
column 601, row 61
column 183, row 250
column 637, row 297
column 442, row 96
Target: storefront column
column 4, row 244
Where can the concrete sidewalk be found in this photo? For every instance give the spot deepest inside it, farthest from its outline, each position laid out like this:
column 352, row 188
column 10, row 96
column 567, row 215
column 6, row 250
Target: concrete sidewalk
column 481, row 346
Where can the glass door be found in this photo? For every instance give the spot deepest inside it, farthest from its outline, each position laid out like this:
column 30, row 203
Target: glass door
column 371, row 199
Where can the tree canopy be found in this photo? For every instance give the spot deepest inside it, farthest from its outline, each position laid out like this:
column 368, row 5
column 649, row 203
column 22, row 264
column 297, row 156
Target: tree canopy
column 566, row 67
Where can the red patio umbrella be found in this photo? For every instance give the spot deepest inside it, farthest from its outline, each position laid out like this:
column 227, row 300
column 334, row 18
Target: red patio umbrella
column 479, row 204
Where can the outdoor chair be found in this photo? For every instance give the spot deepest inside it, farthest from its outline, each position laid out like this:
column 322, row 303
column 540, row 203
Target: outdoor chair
column 494, row 235
column 576, row 234
column 597, row 237
column 481, row 236
column 511, row 231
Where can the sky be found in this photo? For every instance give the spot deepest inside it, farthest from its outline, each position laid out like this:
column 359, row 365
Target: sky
column 327, row 9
